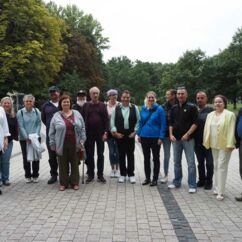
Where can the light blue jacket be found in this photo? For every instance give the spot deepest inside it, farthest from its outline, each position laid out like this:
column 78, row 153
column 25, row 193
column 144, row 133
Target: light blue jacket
column 57, row 131
column 28, row 122
column 152, row 122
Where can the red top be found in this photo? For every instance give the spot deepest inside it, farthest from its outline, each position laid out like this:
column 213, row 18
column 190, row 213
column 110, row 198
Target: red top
column 70, row 132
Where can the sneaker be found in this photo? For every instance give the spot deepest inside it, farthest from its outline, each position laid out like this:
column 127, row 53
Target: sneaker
column 171, row 186
column 6, row 183
column 112, row 174
column 101, row 179
column 208, row 186
column 164, row 179
column 192, row 190
column 239, row 198
column 153, row 183
column 220, row 197
column 89, row 179
column 117, row 174
column 52, row 180
column 35, row 180
column 132, row 179
column 28, row 180
column 146, row 182
column 121, row 179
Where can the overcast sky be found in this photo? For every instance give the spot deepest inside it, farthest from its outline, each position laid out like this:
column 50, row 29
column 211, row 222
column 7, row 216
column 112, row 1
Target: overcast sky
column 162, row 30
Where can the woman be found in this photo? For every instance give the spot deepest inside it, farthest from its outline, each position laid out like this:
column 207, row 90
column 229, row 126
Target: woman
column 7, row 104
column 4, row 133
column 29, row 122
column 219, row 136
column 67, row 137
column 152, row 128
column 112, row 144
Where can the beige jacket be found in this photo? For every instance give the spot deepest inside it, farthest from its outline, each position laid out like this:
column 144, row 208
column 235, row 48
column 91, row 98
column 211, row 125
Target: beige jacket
column 226, row 130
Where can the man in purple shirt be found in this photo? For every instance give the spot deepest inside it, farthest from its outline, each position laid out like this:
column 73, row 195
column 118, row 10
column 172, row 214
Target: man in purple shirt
column 97, row 126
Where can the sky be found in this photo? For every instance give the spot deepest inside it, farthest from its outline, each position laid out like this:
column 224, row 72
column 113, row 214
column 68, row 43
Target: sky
column 162, row 30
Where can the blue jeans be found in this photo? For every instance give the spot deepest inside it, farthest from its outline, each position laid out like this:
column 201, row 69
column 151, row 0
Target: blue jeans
column 188, row 147
column 5, row 164
column 113, row 151
column 167, row 153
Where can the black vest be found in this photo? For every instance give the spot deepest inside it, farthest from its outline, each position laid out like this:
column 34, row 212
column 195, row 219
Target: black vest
column 119, row 120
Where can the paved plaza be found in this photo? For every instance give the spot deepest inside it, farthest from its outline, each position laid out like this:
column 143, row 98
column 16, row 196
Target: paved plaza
column 117, row 212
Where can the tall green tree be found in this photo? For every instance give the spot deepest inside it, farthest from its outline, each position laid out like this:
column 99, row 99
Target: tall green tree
column 31, row 51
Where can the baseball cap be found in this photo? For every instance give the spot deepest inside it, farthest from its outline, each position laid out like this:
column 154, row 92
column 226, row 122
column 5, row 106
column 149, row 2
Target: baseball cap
column 81, row 93
column 53, row 89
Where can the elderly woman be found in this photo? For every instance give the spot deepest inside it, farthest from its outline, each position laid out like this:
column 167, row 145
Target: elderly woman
column 29, row 122
column 112, row 144
column 152, row 128
column 219, row 136
column 4, row 133
column 67, row 136
column 7, row 104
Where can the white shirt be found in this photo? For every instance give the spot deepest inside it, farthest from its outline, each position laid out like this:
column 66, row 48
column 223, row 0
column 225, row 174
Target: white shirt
column 4, row 131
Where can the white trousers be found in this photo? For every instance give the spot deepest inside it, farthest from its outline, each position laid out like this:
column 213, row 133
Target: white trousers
column 221, row 162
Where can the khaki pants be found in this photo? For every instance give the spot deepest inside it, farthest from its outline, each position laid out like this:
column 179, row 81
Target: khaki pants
column 69, row 156
column 221, row 162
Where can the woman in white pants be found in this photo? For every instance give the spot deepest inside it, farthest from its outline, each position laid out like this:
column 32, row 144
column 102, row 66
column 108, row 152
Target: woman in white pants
column 219, row 136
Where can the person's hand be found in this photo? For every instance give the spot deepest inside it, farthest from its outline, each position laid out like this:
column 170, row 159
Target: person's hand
column 53, row 148
column 5, row 144
column 139, row 139
column 132, row 135
column 185, row 137
column 159, row 142
column 172, row 138
column 28, row 141
column 118, row 135
column 229, row 149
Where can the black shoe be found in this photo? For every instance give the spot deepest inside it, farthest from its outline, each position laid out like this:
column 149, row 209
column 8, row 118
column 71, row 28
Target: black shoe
column 89, row 179
column 153, row 183
column 101, row 179
column 52, row 180
column 200, row 184
column 146, row 182
column 0, row 192
column 208, row 186
column 239, row 199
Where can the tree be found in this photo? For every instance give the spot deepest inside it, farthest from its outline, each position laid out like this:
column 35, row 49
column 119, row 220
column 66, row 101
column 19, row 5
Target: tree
column 31, row 51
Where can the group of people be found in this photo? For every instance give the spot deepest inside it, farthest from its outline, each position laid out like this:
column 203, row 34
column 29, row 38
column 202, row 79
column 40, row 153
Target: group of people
column 72, row 129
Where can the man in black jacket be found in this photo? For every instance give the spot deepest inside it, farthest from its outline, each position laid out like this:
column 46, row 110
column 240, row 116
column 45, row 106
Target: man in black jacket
column 48, row 109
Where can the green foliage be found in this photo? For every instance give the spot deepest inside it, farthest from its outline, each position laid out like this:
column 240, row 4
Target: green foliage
column 31, row 51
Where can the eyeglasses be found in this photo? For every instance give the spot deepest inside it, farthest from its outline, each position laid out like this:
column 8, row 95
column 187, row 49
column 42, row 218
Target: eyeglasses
column 150, row 97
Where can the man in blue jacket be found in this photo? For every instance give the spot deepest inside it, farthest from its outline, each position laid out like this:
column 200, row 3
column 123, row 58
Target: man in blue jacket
column 48, row 109
column 238, row 136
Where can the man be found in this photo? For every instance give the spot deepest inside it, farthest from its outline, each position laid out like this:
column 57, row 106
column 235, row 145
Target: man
column 205, row 178
column 81, row 99
column 97, row 126
column 48, row 110
column 182, row 125
column 238, row 136
column 124, row 125
column 170, row 102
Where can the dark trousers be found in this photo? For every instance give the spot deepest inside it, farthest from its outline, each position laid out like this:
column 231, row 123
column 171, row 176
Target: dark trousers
column 70, row 156
column 126, row 147
column 148, row 145
column 27, row 164
column 204, row 155
column 240, row 159
column 90, row 148
column 52, row 159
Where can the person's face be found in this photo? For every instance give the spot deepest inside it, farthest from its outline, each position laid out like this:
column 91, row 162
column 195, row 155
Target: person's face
column 54, row 95
column 113, row 98
column 150, row 99
column 181, row 95
column 94, row 95
column 219, row 104
column 7, row 105
column 125, row 98
column 66, row 104
column 169, row 96
column 28, row 103
column 201, row 99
